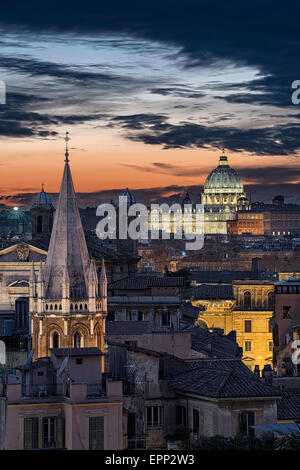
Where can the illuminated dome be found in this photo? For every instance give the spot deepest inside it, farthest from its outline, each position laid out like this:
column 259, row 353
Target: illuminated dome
column 223, row 194
column 42, row 199
column 223, row 179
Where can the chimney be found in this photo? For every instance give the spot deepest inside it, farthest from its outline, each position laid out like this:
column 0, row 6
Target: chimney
column 256, row 370
column 267, row 374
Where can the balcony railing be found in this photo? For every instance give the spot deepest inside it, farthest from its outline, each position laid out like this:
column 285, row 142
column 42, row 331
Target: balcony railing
column 96, row 390
column 44, row 391
column 137, row 442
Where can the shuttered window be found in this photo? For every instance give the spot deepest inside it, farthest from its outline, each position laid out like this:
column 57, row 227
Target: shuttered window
column 96, row 433
column 31, row 433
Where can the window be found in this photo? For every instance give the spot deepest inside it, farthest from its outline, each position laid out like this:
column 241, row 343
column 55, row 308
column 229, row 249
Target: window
column 132, row 315
column 248, row 326
column 96, row 433
column 21, row 306
column 165, row 318
column 140, row 316
column 31, row 433
column 247, row 300
column 55, row 340
column 77, row 340
column 9, row 326
column 180, row 415
column 154, row 416
column 49, row 432
column 286, row 312
column 111, row 316
column 270, row 300
column 195, row 421
column 248, row 346
column 39, row 224
column 247, row 420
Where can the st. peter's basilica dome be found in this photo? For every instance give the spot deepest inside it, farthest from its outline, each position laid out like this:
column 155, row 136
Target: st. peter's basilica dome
column 224, row 178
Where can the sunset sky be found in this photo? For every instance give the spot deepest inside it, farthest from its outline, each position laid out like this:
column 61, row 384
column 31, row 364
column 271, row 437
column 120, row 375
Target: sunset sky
column 150, row 93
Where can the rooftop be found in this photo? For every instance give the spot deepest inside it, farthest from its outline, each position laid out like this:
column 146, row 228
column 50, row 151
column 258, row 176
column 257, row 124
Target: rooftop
column 76, row 352
column 222, row 379
column 210, row 292
column 146, row 282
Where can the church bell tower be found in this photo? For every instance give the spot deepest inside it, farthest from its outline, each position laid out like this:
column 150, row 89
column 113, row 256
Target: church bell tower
column 68, row 302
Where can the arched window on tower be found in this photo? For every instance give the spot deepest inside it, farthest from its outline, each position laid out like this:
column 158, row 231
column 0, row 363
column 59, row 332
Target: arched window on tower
column 39, row 224
column 55, row 340
column 247, row 300
column 77, row 340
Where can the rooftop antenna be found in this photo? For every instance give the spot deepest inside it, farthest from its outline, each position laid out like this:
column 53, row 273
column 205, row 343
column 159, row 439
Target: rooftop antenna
column 67, row 138
column 63, row 366
column 29, row 358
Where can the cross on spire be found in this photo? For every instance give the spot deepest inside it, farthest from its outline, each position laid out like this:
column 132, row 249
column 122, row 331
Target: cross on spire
column 67, row 138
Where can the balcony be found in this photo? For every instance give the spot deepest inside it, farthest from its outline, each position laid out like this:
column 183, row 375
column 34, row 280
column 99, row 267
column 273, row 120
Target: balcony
column 96, row 390
column 136, row 442
column 45, row 391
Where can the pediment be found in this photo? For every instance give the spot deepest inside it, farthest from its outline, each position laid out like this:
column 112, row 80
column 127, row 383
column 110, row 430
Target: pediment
column 22, row 252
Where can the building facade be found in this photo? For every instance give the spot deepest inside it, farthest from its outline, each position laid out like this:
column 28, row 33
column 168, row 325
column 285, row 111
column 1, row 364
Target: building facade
column 245, row 307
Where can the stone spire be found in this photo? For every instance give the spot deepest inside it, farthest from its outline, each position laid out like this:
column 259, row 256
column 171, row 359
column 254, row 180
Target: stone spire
column 67, row 249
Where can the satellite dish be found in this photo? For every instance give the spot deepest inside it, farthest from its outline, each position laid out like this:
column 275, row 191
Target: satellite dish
column 63, row 366
column 29, row 358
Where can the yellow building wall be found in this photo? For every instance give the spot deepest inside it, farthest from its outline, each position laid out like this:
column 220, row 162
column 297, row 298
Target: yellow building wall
column 223, row 315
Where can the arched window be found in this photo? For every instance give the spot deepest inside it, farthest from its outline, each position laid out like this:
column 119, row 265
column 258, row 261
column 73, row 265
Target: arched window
column 55, row 340
column 77, row 340
column 247, row 300
column 270, row 300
